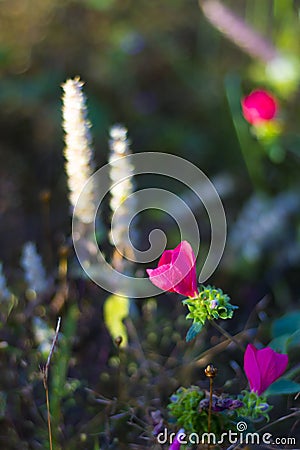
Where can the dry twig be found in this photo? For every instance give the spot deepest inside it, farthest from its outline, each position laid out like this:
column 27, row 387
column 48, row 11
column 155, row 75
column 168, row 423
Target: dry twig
column 45, row 371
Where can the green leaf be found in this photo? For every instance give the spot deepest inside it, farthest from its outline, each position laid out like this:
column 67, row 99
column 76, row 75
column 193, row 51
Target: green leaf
column 223, row 313
column 100, row 5
column 59, row 368
column 294, row 339
column 287, row 324
column 2, row 404
column 283, row 386
column 280, row 343
column 115, row 310
column 251, row 149
column 193, row 331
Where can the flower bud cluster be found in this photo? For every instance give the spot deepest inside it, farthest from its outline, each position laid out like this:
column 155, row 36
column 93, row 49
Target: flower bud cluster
column 211, row 304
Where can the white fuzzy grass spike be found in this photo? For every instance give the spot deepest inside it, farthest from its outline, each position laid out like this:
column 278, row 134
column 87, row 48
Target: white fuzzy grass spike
column 119, row 147
column 4, row 292
column 35, row 275
column 78, row 148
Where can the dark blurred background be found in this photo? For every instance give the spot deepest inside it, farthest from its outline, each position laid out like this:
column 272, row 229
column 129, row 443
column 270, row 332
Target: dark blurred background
column 157, row 67
column 164, row 70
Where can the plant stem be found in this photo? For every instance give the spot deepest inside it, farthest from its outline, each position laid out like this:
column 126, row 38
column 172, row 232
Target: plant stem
column 45, row 381
column 48, row 416
column 281, row 419
column 210, row 372
column 294, row 414
column 210, row 407
column 227, row 335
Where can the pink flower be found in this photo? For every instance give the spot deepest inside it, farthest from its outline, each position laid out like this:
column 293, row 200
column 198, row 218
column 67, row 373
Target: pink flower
column 176, row 442
column 263, row 367
column 176, row 271
column 259, row 106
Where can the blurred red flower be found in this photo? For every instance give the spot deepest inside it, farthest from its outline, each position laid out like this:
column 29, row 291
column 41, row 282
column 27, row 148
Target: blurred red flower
column 259, row 106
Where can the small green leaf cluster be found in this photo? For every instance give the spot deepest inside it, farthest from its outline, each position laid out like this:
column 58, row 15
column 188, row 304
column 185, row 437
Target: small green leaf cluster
column 211, row 304
column 184, row 408
column 255, row 406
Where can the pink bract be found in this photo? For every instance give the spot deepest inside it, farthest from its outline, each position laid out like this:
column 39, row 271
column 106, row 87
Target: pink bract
column 263, row 367
column 259, row 106
column 176, row 271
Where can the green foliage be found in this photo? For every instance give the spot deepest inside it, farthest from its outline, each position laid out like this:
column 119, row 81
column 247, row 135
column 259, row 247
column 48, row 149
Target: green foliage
column 6, row 307
column 115, row 310
column 211, row 304
column 100, row 4
column 184, row 408
column 282, row 387
column 60, row 388
column 250, row 148
column 195, row 329
column 285, row 332
column 3, row 401
column 287, row 324
column 255, row 406
column 285, row 342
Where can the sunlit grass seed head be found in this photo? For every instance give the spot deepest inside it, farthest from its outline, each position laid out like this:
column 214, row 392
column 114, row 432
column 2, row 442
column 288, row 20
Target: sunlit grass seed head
column 4, row 291
column 34, row 272
column 43, row 335
column 121, row 172
column 78, row 148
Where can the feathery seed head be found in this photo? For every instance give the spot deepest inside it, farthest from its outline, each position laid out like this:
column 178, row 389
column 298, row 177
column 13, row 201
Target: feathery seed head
column 78, row 150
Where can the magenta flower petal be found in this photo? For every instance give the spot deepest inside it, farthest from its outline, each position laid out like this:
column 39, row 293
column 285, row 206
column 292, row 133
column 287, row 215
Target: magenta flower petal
column 165, row 277
column 272, row 366
column 263, row 367
column 251, row 368
column 176, row 444
column 259, row 106
column 166, row 258
column 176, row 271
column 184, row 260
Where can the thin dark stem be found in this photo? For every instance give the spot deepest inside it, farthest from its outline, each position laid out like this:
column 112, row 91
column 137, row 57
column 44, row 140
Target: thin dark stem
column 120, row 378
column 45, row 197
column 294, row 414
column 45, row 381
column 46, row 369
column 210, row 407
column 227, row 335
column 48, row 416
